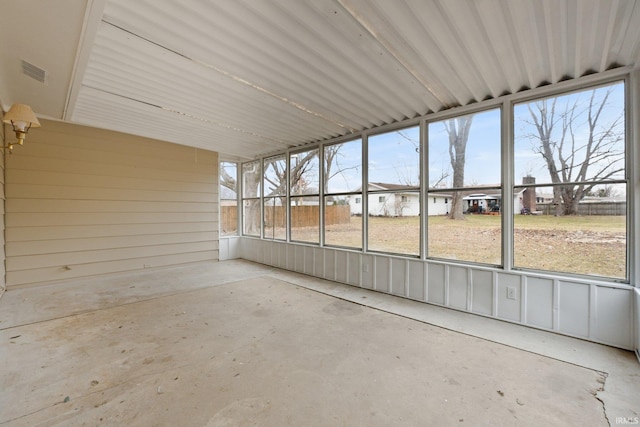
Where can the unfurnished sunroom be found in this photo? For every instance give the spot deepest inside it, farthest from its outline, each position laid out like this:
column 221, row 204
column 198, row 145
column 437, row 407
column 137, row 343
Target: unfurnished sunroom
column 481, row 156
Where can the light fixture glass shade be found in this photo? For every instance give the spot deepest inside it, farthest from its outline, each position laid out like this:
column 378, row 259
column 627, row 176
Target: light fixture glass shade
column 21, row 117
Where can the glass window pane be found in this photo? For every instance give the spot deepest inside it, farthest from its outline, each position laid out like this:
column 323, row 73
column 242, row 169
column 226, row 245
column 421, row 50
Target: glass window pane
column 343, row 167
column 228, row 199
column 305, row 219
column 305, row 173
column 343, row 221
column 394, row 224
column 275, row 176
column 464, row 224
column 251, row 178
column 465, row 151
column 593, row 242
column 275, row 220
column 476, row 239
column 228, row 183
column 571, row 138
column 251, row 217
column 228, row 217
column 394, row 158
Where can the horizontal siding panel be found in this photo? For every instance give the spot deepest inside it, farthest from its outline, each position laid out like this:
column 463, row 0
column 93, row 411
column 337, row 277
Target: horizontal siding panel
column 88, row 206
column 62, row 259
column 23, row 234
column 91, row 155
column 48, row 274
column 94, row 181
column 61, row 136
column 42, row 247
column 30, row 163
column 28, row 191
column 63, row 219
column 84, row 201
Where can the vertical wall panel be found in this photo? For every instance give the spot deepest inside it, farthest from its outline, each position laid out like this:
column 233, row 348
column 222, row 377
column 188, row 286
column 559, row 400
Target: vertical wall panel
column 282, row 255
column 354, row 269
column 291, row 257
column 540, row 302
column 416, row 280
column 318, row 261
column 574, row 308
column 509, row 308
column 309, row 260
column 383, row 265
column 482, row 292
column 458, row 284
column 613, row 307
column 367, row 271
column 341, row 267
column 299, row 259
column 83, row 201
column 436, row 283
column 330, row 264
column 398, row 276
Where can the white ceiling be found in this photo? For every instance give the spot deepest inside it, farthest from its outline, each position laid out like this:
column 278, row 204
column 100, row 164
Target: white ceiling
column 247, row 77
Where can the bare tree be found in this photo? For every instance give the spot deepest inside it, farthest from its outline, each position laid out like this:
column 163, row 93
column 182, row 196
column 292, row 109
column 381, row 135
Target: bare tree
column 251, row 184
column 579, row 145
column 458, row 130
column 441, row 180
column 276, row 181
column 227, row 180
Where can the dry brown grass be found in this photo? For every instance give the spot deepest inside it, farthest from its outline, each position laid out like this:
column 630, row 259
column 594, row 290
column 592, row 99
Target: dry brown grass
column 594, row 245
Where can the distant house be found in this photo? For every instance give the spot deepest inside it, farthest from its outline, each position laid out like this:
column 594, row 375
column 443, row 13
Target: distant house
column 482, row 203
column 438, row 204
column 492, row 202
column 402, row 200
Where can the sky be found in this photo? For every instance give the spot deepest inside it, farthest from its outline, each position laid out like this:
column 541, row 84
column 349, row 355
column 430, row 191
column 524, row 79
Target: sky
column 529, row 162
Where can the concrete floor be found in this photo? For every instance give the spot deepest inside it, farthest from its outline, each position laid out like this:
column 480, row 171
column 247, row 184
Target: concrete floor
column 237, row 343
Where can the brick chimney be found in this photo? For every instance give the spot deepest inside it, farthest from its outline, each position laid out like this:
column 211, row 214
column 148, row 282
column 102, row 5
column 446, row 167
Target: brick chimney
column 529, row 194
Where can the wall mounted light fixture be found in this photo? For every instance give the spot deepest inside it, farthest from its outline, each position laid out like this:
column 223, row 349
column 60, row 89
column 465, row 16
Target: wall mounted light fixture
column 21, row 118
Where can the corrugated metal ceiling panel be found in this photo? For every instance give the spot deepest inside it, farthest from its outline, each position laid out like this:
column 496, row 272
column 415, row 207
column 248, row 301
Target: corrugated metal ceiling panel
column 250, row 77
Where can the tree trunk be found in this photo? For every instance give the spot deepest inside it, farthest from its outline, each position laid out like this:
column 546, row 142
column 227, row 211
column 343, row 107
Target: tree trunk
column 458, row 130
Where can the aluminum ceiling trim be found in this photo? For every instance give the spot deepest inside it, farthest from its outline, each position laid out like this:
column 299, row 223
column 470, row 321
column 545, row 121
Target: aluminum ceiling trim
column 251, row 77
column 314, row 65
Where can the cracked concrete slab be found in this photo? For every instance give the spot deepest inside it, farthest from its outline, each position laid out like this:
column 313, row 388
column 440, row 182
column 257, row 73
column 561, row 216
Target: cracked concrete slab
column 266, row 350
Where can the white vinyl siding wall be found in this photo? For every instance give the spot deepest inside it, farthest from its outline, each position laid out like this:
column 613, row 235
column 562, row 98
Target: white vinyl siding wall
column 83, row 201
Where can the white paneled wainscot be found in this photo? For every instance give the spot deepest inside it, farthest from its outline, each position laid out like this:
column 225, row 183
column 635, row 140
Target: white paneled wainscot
column 599, row 312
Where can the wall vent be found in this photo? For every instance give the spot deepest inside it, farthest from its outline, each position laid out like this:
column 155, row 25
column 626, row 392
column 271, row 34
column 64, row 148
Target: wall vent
column 34, row 72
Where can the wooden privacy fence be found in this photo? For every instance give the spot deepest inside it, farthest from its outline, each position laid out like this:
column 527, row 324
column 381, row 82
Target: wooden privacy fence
column 301, row 216
column 307, row 216
column 599, row 208
column 228, row 219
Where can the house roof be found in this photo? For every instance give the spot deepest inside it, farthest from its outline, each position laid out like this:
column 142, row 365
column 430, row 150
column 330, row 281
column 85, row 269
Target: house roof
column 392, row 187
column 247, row 78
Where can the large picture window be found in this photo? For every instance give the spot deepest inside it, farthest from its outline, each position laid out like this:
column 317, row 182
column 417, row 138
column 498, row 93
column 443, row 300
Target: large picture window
column 228, row 198
column 251, row 180
column 466, row 188
column 275, row 195
column 394, row 192
column 343, row 194
column 570, row 192
column 566, row 200
column 304, row 196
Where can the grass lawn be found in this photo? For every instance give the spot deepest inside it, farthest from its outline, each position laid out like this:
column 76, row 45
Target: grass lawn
column 573, row 244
